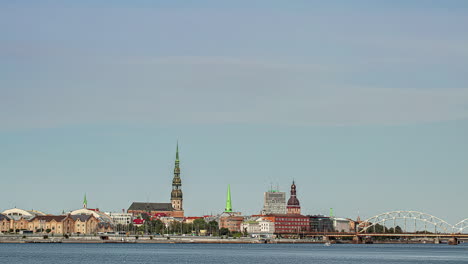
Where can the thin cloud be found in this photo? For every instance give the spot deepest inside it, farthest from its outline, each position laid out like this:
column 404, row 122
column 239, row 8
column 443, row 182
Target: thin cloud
column 207, row 90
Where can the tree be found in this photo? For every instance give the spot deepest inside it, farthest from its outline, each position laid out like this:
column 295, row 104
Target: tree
column 245, row 233
column 199, row 224
column 398, row 230
column 141, row 229
column 145, row 217
column 175, row 227
column 213, row 223
column 213, row 227
column 156, row 226
column 224, row 232
column 131, row 227
column 236, row 234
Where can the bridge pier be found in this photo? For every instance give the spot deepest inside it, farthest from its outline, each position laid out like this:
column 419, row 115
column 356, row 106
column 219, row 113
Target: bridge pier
column 436, row 240
column 357, row 240
column 453, row 241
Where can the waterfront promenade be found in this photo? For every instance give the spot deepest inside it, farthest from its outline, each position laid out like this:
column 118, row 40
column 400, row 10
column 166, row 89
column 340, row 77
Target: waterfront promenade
column 200, row 240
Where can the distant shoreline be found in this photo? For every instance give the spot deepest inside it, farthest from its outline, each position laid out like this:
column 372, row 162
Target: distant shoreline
column 177, row 240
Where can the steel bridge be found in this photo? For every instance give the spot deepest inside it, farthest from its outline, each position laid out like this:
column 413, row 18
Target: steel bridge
column 403, row 224
column 402, row 220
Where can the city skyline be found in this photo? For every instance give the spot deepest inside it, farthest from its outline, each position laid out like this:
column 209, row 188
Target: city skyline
column 228, row 202
column 366, row 117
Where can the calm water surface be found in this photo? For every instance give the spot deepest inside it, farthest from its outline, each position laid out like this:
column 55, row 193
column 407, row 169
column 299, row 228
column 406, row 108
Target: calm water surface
column 249, row 253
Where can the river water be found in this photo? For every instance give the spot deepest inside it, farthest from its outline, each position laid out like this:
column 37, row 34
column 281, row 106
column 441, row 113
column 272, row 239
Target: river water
column 231, row 253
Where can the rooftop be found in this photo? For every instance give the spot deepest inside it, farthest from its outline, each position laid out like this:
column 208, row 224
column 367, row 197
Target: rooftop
column 48, row 218
column 138, row 206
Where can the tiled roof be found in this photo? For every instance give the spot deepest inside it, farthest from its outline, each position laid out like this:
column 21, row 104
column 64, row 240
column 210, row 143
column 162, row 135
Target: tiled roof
column 4, row 217
column 150, row 206
column 48, row 218
column 83, row 218
column 104, row 224
column 286, row 215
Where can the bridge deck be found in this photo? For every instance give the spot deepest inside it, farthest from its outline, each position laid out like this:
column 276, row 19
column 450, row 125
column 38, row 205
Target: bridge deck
column 382, row 235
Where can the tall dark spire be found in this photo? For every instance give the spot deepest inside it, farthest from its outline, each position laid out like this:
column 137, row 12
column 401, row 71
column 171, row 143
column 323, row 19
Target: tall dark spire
column 177, row 152
column 176, row 193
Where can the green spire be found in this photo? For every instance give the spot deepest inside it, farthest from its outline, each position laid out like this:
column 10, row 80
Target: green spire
column 228, row 200
column 331, row 212
column 85, row 202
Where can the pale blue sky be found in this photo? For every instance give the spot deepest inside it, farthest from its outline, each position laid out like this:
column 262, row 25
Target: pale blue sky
column 364, row 104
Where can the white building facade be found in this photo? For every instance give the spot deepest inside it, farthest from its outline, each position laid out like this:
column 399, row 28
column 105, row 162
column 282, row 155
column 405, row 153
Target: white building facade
column 121, row 218
column 342, row 225
column 274, row 202
column 258, row 228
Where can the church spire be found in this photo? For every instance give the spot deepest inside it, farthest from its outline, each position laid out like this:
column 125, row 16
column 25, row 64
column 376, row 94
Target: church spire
column 177, row 155
column 228, row 200
column 176, row 193
column 293, row 206
column 177, row 151
column 85, row 202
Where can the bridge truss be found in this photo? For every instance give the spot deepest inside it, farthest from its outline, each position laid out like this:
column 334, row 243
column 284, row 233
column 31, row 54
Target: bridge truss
column 417, row 221
column 461, row 226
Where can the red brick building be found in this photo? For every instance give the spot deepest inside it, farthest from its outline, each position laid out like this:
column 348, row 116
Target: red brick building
column 231, row 221
column 289, row 223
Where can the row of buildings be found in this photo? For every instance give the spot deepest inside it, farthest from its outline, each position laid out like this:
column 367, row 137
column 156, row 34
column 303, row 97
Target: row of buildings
column 277, row 218
column 82, row 221
column 91, row 221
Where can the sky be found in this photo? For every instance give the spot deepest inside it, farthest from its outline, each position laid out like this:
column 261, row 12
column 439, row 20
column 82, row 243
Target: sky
column 363, row 103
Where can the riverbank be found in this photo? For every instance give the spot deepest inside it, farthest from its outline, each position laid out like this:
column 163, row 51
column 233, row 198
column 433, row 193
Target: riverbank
column 152, row 240
column 179, row 240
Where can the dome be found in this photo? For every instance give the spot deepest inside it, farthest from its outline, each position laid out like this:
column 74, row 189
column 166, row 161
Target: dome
column 98, row 214
column 293, row 201
column 17, row 213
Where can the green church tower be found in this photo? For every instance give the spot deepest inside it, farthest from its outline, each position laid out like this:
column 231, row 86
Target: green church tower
column 85, row 202
column 228, row 200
